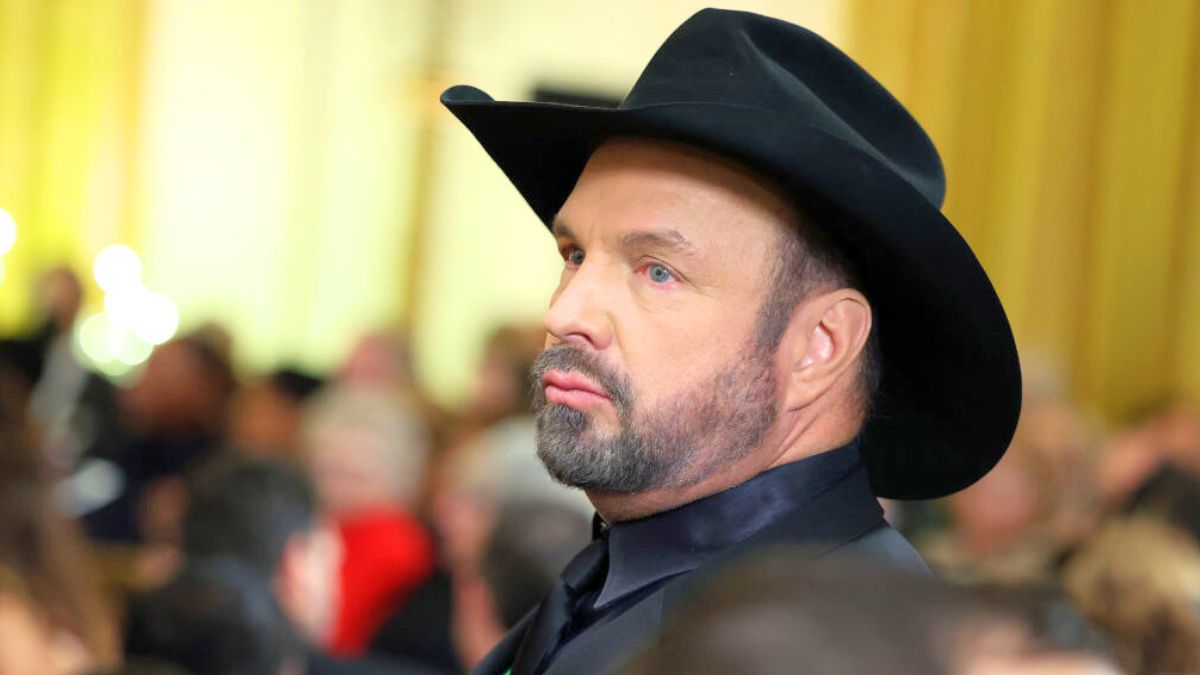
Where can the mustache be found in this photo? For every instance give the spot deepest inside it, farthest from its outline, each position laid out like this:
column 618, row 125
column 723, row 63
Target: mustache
column 571, row 359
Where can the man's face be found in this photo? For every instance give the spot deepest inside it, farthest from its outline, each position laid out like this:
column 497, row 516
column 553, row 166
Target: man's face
column 652, row 377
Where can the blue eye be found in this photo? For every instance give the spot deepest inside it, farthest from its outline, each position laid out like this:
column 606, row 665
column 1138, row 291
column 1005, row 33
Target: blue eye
column 575, row 257
column 659, row 274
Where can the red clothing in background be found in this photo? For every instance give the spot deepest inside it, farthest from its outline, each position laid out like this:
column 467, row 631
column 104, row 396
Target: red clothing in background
column 387, row 554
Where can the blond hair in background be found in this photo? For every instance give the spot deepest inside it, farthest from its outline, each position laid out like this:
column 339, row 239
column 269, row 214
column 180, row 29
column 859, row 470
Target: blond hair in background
column 367, row 445
column 1139, row 579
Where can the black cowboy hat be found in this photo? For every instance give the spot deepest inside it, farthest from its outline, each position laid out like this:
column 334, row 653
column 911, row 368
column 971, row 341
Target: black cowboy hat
column 785, row 102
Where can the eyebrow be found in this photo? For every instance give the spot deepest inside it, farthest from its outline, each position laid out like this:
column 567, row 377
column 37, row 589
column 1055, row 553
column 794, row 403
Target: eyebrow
column 669, row 238
column 560, row 229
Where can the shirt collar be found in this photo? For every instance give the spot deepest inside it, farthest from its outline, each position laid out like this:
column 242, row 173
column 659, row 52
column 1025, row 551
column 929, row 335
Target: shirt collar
column 644, row 551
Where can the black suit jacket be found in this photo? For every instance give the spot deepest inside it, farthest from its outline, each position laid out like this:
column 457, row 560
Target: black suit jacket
column 844, row 521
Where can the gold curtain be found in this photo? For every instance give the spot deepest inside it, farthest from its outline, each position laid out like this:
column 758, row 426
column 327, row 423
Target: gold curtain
column 69, row 98
column 1070, row 131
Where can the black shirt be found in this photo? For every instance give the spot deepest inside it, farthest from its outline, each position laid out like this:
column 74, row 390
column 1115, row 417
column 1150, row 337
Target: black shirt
column 646, row 553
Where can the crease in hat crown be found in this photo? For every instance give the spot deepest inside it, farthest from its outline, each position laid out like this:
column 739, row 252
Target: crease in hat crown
column 771, row 64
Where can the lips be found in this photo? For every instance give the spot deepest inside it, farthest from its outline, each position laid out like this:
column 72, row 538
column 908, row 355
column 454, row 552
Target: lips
column 572, row 389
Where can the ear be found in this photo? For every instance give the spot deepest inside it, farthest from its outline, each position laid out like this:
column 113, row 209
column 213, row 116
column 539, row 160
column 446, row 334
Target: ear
column 825, row 338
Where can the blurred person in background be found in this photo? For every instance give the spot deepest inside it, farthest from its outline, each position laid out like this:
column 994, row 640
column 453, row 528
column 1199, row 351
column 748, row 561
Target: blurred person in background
column 532, row 541
column 1166, row 434
column 501, row 388
column 779, row 612
column 174, row 414
column 366, row 448
column 53, row 618
column 384, row 360
column 58, row 298
column 1037, row 502
column 263, row 513
column 1139, row 579
column 1171, row 495
column 217, row 617
column 65, row 406
column 265, row 416
column 495, row 467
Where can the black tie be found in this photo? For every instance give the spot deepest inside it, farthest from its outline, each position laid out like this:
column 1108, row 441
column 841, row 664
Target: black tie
column 554, row 614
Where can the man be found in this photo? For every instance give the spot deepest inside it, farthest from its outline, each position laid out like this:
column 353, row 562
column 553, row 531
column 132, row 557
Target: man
column 763, row 322
column 217, row 617
column 264, row 515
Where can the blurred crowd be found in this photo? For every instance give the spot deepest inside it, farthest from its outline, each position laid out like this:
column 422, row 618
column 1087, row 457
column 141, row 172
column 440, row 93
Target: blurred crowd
column 195, row 519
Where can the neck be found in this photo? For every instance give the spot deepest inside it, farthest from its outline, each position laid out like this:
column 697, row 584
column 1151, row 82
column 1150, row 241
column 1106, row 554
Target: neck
column 799, row 434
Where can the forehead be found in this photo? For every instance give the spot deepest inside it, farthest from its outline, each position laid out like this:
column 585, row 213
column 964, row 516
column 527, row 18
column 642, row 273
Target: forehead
column 635, row 184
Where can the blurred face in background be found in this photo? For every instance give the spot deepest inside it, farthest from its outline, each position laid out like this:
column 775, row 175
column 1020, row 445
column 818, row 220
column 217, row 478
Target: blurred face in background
column 263, row 420
column 463, row 510
column 350, row 468
column 175, row 394
column 991, row 514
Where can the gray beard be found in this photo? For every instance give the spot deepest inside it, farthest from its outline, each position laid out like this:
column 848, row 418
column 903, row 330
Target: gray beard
column 675, row 445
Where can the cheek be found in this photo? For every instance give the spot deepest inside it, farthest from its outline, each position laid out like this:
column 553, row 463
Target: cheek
column 668, row 353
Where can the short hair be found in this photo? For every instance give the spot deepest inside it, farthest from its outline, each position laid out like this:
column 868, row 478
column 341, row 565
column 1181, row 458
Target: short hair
column 217, row 617
column 531, row 544
column 810, row 262
column 391, row 419
column 295, row 384
column 248, row 509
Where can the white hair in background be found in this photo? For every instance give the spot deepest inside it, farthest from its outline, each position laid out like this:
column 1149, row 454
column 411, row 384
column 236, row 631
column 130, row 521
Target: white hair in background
column 502, row 466
column 381, row 422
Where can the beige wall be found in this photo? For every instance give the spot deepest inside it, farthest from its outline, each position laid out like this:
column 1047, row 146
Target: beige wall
column 277, row 164
column 281, row 163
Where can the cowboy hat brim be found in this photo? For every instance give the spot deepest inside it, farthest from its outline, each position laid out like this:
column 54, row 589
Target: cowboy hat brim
column 950, row 392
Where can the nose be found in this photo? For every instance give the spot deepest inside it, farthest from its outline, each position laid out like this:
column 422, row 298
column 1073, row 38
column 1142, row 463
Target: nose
column 579, row 314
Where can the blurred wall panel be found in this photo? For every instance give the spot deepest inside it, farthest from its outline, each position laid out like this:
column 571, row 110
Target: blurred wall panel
column 1069, row 133
column 278, row 136
column 69, row 91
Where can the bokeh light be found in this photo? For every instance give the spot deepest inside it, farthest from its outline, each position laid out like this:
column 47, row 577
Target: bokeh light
column 93, row 338
column 117, row 267
column 158, row 320
column 126, row 304
column 111, row 348
column 126, row 347
column 8, row 231
column 134, row 321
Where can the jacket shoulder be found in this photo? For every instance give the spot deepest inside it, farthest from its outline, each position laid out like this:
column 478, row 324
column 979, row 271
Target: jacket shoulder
column 886, row 547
